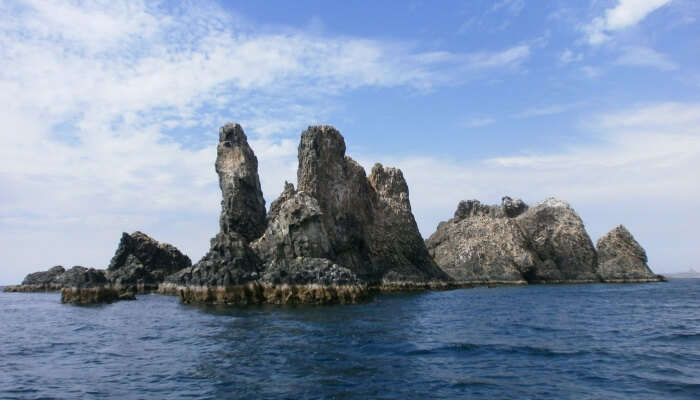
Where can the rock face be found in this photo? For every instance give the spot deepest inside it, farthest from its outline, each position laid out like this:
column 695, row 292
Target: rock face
column 513, row 243
column 557, row 235
column 331, row 240
column 368, row 221
column 142, row 263
column 243, row 206
column 622, row 259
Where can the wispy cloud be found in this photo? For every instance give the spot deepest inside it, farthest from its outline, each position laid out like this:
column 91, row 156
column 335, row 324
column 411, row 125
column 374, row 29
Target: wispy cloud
column 478, row 122
column 639, row 56
column 625, row 14
column 546, row 110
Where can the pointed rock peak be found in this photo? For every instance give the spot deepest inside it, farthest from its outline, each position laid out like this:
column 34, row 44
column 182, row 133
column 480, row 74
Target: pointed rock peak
column 232, row 133
column 389, row 181
column 322, row 140
column 513, row 207
column 243, row 205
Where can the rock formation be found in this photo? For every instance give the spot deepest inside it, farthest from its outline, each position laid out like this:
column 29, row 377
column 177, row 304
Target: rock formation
column 88, row 286
column 43, row 281
column 514, row 243
column 141, row 263
column 332, row 240
column 622, row 259
column 558, row 237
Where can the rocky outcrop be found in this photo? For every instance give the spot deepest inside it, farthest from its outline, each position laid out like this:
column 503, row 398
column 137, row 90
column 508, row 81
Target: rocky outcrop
column 243, row 206
column 230, row 263
column 514, row 243
column 558, row 237
column 622, row 259
column 369, row 223
column 78, row 285
column 43, row 281
column 141, row 263
column 89, row 286
column 335, row 239
column 84, row 286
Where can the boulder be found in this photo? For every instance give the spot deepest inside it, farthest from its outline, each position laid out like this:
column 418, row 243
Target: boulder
column 622, row 259
column 141, row 263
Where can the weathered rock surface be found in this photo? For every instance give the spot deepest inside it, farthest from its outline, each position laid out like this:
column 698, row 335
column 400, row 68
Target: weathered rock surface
column 369, row 223
column 141, row 263
column 331, row 240
column 515, row 243
column 622, row 259
column 557, row 235
column 243, row 206
column 88, row 286
column 42, row 281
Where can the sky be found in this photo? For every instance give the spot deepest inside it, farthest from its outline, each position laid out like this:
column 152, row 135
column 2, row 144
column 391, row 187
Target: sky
column 110, row 112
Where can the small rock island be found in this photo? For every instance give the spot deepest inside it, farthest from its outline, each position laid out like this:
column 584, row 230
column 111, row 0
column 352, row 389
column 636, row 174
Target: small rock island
column 341, row 236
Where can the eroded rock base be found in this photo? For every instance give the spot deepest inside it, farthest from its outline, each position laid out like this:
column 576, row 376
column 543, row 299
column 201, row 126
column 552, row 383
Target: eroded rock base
column 94, row 295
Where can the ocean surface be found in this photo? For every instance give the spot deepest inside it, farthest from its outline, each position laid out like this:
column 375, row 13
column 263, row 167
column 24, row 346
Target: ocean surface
column 630, row 341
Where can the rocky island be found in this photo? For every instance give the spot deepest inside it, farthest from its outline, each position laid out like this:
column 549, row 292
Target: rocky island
column 513, row 243
column 342, row 235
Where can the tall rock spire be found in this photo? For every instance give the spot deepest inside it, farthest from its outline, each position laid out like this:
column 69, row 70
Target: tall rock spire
column 242, row 206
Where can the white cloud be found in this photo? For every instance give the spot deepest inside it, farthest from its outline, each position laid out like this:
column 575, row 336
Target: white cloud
column 625, row 14
column 478, row 122
column 567, row 56
column 111, row 109
column 645, row 57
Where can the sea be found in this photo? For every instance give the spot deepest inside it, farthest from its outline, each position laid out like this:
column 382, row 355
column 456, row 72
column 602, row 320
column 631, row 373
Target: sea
column 597, row 341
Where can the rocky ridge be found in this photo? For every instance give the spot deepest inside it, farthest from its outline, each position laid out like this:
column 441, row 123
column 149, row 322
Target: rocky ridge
column 516, row 244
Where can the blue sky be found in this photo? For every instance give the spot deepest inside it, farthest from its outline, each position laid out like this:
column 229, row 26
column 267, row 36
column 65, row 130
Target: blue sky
column 111, row 111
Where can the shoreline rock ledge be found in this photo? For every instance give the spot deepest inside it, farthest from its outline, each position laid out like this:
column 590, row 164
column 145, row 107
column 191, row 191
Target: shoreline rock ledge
column 335, row 239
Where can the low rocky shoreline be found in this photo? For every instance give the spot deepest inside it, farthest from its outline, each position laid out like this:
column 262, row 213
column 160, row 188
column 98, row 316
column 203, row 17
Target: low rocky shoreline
column 341, row 236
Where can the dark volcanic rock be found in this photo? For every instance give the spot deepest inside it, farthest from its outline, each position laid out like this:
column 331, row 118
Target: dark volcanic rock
column 88, row 286
column 42, row 281
column 622, row 259
column 547, row 243
column 243, row 206
column 142, row 263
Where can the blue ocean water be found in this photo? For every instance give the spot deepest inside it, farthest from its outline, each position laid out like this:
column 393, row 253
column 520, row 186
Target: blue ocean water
column 534, row 342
